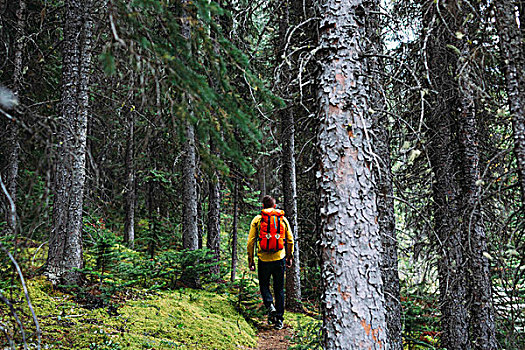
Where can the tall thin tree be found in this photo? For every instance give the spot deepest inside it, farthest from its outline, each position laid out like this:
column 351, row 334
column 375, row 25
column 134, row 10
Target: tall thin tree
column 65, row 241
column 213, row 239
column 443, row 152
column 384, row 183
column 130, row 193
column 482, row 320
column 289, row 183
column 13, row 143
column 513, row 60
column 189, row 165
column 234, row 228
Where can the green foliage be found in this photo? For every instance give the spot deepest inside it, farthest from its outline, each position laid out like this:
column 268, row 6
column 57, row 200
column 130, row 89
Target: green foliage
column 166, row 269
column 101, row 245
column 421, row 325
column 33, row 199
column 310, row 284
column 207, row 76
column 249, row 302
column 307, row 334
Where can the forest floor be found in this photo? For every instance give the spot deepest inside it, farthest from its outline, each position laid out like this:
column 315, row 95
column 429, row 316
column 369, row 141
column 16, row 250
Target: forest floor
column 271, row 339
column 182, row 319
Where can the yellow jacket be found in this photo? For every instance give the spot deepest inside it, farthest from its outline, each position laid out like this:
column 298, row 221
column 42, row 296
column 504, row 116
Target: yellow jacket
column 268, row 256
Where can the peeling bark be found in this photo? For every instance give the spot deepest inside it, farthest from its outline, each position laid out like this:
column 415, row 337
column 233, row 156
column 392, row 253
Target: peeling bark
column 352, row 302
column 65, row 241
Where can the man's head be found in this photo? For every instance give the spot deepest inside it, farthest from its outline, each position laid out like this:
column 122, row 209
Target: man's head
column 268, row 202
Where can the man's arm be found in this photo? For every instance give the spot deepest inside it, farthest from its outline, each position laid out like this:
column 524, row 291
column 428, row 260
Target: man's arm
column 252, row 240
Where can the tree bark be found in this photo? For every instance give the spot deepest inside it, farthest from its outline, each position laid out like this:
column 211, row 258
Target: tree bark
column 12, row 143
column 129, row 223
column 288, row 177
column 513, row 58
column 65, row 241
column 213, row 241
column 293, row 274
column 189, row 190
column 234, row 228
column 386, row 220
column 189, row 182
column 443, row 152
column 482, row 320
column 384, row 189
column 352, row 301
column 200, row 199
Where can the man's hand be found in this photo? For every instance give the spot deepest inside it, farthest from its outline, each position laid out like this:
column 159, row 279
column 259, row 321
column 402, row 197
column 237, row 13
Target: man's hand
column 252, row 266
column 289, row 262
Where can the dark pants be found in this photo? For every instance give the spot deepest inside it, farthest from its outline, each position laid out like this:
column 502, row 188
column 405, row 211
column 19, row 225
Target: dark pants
column 275, row 269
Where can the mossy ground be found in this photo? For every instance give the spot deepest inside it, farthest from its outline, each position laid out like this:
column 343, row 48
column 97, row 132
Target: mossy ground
column 184, row 319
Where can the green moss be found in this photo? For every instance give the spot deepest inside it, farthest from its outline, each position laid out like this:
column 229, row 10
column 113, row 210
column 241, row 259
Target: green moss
column 189, row 319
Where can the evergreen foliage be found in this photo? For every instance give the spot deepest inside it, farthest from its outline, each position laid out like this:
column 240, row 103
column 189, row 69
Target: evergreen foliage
column 243, row 65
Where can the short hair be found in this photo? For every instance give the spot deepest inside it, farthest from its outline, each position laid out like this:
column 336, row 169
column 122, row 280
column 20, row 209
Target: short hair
column 268, row 202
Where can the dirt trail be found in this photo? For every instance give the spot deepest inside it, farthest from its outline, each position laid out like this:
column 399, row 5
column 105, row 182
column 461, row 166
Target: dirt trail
column 271, row 339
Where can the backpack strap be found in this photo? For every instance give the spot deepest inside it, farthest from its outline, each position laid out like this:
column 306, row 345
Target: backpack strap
column 268, row 231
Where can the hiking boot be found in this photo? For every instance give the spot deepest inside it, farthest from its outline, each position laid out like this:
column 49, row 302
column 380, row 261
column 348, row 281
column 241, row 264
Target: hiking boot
column 278, row 324
column 272, row 314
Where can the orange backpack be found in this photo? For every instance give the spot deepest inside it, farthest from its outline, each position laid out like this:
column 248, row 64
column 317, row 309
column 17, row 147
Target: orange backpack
column 272, row 230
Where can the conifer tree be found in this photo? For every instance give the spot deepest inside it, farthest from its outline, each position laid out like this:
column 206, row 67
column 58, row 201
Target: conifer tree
column 12, row 143
column 65, row 241
column 513, row 62
column 189, row 166
column 285, row 16
column 352, row 302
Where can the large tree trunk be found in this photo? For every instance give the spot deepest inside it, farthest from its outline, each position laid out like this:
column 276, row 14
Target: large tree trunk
column 129, row 223
column 442, row 150
column 65, row 241
column 213, row 241
column 352, row 302
column 513, row 57
column 12, row 140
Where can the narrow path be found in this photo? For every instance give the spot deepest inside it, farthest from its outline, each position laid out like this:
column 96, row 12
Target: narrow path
column 271, row 339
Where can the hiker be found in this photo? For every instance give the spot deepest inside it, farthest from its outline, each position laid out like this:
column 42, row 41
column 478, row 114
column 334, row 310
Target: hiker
column 275, row 252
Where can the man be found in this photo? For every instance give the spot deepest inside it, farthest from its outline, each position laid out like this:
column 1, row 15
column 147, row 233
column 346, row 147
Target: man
column 272, row 231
